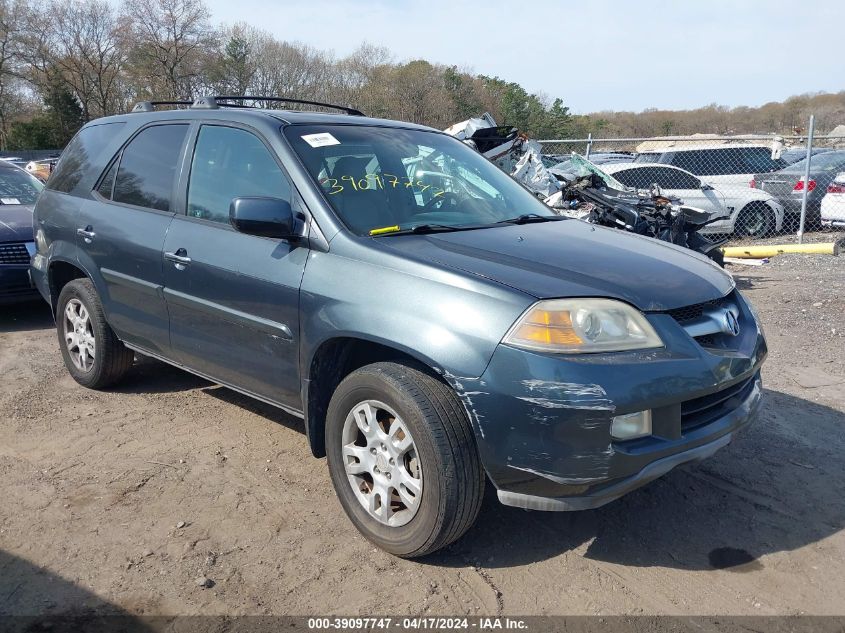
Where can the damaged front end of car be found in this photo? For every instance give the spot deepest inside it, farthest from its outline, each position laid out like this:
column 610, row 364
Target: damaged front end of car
column 571, row 432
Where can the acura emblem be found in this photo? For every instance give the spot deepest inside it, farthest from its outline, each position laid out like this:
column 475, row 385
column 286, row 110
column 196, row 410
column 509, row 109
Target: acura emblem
column 731, row 325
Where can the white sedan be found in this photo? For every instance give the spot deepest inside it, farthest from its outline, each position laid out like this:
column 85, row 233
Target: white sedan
column 746, row 211
column 833, row 203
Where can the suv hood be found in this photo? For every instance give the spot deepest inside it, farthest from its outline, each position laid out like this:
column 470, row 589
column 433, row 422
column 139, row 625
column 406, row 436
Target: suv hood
column 16, row 223
column 573, row 259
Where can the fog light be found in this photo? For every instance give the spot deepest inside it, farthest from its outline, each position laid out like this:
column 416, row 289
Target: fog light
column 631, row 425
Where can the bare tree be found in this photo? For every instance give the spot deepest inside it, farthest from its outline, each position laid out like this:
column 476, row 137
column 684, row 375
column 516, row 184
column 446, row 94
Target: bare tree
column 237, row 61
column 85, row 45
column 12, row 20
column 171, row 42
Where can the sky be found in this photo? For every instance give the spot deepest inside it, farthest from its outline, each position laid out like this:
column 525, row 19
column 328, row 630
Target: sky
column 594, row 54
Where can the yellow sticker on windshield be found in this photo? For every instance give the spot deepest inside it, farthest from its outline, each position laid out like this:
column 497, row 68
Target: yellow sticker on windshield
column 386, row 229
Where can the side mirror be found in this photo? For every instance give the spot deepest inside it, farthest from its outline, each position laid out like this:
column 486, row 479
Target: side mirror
column 706, row 187
column 264, row 217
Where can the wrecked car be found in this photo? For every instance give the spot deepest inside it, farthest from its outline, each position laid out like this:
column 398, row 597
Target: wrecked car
column 433, row 323
column 591, row 194
column 508, row 149
column 577, row 188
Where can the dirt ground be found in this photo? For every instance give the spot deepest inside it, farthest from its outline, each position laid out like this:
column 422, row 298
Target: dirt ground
column 119, row 501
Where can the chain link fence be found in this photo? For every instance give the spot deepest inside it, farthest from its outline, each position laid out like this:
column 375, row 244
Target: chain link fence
column 755, row 184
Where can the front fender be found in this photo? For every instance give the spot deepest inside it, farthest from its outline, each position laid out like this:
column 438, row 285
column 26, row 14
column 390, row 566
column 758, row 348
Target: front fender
column 444, row 319
column 447, row 322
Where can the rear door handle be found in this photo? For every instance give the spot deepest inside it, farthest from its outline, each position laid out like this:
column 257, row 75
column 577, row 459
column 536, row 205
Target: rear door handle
column 180, row 258
column 87, row 233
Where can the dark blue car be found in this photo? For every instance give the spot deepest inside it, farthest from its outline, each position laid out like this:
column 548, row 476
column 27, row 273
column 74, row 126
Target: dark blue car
column 433, row 324
column 18, row 192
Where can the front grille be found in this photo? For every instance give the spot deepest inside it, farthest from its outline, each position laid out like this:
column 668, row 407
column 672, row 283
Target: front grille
column 14, row 253
column 708, row 340
column 703, row 410
column 695, row 311
column 702, row 321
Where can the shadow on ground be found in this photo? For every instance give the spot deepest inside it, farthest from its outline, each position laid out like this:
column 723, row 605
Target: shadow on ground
column 34, row 599
column 149, row 375
column 154, row 376
column 772, row 490
column 26, row 317
column 271, row 413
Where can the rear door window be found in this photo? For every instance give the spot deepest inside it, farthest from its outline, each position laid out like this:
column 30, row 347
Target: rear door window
column 78, row 156
column 669, row 178
column 635, row 177
column 711, row 162
column 148, row 167
column 695, row 161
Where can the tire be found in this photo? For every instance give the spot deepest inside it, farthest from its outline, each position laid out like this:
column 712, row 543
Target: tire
column 755, row 220
column 102, row 363
column 443, row 452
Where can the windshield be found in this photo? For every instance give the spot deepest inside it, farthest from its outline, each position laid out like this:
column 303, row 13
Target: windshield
column 827, row 161
column 581, row 167
column 18, row 187
column 380, row 180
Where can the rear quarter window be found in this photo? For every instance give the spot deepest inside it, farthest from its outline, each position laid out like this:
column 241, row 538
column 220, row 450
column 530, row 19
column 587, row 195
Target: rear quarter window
column 78, row 156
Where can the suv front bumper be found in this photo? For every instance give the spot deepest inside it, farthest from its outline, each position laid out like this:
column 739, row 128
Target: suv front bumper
column 542, row 421
column 15, row 281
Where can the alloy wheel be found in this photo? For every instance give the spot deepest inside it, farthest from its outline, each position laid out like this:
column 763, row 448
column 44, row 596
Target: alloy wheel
column 382, row 463
column 79, row 335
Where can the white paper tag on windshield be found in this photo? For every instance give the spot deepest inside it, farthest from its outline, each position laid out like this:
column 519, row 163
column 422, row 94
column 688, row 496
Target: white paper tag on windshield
column 10, row 201
column 320, row 140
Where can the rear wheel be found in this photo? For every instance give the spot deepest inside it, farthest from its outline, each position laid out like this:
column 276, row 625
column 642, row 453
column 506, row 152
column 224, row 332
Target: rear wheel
column 93, row 354
column 755, row 220
column 402, row 458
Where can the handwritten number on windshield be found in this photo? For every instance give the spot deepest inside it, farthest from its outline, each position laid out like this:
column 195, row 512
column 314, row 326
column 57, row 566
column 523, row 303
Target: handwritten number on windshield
column 372, row 182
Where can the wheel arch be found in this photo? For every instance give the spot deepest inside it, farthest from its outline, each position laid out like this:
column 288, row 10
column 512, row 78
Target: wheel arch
column 60, row 272
column 334, row 359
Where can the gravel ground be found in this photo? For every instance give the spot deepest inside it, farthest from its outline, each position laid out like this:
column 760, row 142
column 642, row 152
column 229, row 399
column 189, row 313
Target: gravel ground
column 170, row 495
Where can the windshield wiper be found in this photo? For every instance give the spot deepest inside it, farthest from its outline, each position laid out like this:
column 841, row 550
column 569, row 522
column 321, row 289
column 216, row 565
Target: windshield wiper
column 526, row 218
column 419, row 229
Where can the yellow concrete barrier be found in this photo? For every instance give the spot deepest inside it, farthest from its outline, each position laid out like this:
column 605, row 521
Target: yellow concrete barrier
column 770, row 250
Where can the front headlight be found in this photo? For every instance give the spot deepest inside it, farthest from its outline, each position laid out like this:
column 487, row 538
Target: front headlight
column 578, row 326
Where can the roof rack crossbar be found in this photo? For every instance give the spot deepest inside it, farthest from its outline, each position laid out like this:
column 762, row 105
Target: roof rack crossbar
column 211, row 102
column 149, row 106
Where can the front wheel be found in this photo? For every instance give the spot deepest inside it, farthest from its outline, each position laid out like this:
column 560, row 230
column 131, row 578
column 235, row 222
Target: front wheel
column 755, row 220
column 402, row 458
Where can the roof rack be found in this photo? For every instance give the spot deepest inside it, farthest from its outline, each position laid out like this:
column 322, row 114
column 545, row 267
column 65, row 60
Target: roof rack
column 149, row 106
column 211, row 103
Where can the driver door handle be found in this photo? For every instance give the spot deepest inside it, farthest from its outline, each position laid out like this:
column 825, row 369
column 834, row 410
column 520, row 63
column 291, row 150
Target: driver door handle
column 87, row 233
column 180, row 258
